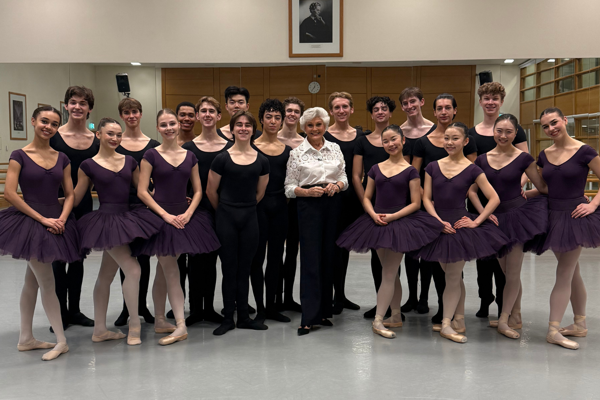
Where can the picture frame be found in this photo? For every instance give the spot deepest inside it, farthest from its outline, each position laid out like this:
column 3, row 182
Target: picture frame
column 64, row 112
column 316, row 28
column 17, row 110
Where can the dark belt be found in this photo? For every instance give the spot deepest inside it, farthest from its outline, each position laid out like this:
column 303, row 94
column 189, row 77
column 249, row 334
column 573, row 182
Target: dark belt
column 321, row 185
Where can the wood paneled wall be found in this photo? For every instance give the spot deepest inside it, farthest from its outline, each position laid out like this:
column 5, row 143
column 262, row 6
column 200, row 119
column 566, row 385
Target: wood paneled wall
column 189, row 84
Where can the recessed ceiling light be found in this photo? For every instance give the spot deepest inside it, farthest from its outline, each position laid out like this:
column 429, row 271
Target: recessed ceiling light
column 550, row 60
column 136, row 63
column 509, row 61
column 566, row 59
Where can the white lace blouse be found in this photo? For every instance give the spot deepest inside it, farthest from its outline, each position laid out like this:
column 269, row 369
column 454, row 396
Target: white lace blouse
column 308, row 166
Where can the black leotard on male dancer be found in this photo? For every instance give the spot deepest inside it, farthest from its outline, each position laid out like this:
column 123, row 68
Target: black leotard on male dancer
column 272, row 215
column 203, row 267
column 68, row 282
column 351, row 210
column 237, row 229
column 144, row 261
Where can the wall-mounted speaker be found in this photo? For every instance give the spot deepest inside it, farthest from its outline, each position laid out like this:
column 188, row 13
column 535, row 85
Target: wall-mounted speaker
column 485, row 77
column 123, row 83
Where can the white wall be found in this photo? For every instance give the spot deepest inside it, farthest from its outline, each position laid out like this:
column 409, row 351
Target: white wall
column 508, row 76
column 46, row 83
column 251, row 31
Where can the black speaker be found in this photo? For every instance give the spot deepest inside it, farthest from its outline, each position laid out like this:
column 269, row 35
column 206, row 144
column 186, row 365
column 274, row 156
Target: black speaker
column 123, row 83
column 485, row 77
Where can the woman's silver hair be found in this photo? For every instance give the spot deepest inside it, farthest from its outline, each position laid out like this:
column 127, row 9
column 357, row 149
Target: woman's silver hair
column 313, row 113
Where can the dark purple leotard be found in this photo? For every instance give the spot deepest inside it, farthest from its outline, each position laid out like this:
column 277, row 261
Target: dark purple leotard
column 466, row 244
column 114, row 223
column 566, row 187
column 170, row 187
column 507, row 180
column 522, row 220
column 402, row 235
column 392, row 192
column 23, row 237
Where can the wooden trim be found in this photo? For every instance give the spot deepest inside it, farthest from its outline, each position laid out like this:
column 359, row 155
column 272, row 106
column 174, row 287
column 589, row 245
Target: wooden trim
column 163, row 73
column 290, row 40
column 473, row 91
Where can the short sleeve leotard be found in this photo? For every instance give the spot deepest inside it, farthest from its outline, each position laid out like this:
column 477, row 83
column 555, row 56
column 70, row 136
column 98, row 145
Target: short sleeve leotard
column 77, row 157
column 392, row 192
column 566, row 189
column 277, row 170
column 25, row 238
column 371, row 154
column 170, row 190
column 205, row 159
column 239, row 182
column 426, row 150
column 114, row 224
column 409, row 143
column 507, row 180
column 137, row 156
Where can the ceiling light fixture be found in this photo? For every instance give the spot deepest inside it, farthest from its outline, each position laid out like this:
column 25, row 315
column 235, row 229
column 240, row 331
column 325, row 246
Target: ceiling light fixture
column 136, row 63
column 551, row 60
column 509, row 61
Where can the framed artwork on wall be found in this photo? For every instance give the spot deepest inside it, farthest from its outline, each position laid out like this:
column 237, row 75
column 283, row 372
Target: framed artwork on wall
column 65, row 113
column 17, row 104
column 316, row 28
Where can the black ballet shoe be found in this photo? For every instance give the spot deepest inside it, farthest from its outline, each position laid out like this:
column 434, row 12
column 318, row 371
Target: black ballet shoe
column 401, row 316
column 251, row 309
column 337, row 308
column 122, row 320
column 193, row 318
column 212, row 316
column 170, row 315
column 226, row 326
column 148, row 317
column 484, row 308
column 249, row 323
column 79, row 319
column 326, row 322
column 422, row 307
column 65, row 326
column 371, row 313
column 350, row 305
column 304, row 331
column 437, row 318
column 260, row 316
column 275, row 316
column 292, row 306
column 411, row 304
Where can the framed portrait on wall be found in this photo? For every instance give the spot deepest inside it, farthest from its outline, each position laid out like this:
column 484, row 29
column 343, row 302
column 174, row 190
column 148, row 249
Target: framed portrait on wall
column 17, row 104
column 316, row 28
column 64, row 112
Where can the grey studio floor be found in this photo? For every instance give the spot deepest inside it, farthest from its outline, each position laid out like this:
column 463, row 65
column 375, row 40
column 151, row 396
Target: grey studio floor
column 344, row 362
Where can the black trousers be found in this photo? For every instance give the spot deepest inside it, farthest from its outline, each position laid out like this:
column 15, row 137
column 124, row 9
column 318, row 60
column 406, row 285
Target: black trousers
column 288, row 275
column 351, row 209
column 487, row 272
column 202, row 275
column 144, row 262
column 182, row 263
column 317, row 219
column 68, row 282
column 237, row 229
column 413, row 266
column 272, row 216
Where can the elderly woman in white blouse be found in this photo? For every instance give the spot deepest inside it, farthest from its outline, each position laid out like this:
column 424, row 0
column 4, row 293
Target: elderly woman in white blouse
column 315, row 175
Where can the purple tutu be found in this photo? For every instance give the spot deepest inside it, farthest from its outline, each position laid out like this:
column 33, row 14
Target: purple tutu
column 523, row 221
column 116, row 225
column 24, row 238
column 566, row 233
column 198, row 237
column 466, row 244
column 406, row 234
